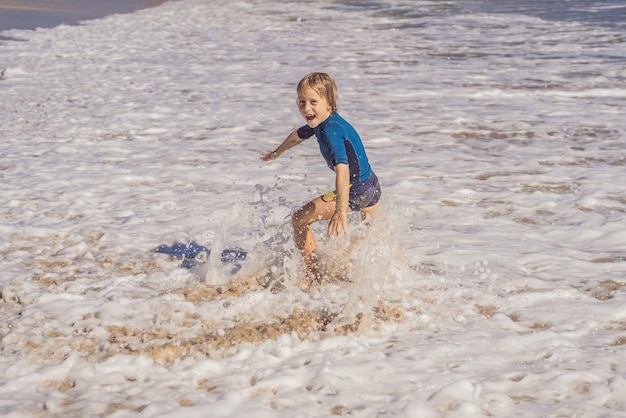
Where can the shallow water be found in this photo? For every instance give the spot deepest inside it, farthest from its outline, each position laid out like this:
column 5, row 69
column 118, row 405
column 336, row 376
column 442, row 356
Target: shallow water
column 493, row 285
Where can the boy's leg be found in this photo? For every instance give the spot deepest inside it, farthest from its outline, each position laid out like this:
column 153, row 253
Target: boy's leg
column 369, row 211
column 315, row 210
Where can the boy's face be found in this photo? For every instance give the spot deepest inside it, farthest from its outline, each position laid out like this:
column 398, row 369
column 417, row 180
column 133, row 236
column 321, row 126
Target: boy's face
column 313, row 107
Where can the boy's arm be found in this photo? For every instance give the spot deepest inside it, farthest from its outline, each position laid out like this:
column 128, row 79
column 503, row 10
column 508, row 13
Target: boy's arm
column 291, row 141
column 342, row 186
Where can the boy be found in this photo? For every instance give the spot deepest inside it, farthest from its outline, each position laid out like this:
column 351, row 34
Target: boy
column 356, row 185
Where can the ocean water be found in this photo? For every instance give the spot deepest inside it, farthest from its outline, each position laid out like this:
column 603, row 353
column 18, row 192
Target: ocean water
column 610, row 13
column 492, row 284
column 33, row 14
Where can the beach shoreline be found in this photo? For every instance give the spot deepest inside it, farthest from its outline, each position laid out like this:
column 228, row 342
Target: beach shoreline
column 33, row 14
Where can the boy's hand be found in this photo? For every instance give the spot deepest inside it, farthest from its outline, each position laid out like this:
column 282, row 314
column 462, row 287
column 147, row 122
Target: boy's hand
column 269, row 155
column 337, row 224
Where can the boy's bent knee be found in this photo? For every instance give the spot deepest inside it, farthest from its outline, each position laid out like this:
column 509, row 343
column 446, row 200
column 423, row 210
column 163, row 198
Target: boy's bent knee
column 303, row 216
column 295, row 222
column 298, row 219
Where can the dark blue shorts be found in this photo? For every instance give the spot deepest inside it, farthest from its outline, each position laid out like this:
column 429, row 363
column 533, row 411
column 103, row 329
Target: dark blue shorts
column 365, row 194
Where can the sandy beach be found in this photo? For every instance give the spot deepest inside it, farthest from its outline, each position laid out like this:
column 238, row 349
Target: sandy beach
column 32, row 14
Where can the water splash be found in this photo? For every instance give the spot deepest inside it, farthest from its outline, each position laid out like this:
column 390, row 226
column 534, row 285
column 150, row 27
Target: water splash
column 357, row 292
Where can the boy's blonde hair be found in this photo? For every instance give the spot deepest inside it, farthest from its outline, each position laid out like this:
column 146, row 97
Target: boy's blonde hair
column 323, row 84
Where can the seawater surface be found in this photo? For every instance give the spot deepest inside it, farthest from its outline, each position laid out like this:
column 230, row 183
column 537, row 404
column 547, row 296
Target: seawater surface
column 33, row 14
column 493, row 284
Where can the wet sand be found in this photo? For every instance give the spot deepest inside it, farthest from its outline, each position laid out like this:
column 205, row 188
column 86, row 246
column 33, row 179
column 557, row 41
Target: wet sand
column 32, row 14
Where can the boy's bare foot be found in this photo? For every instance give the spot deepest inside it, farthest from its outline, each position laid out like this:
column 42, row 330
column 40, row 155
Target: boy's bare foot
column 311, row 276
column 304, row 284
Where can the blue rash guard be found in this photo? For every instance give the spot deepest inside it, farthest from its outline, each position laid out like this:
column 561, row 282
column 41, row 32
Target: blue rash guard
column 340, row 143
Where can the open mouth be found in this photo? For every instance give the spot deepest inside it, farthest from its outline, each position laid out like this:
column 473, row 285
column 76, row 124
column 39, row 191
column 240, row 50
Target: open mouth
column 309, row 118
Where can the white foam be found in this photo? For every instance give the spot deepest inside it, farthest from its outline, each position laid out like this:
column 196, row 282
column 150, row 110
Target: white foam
column 494, row 284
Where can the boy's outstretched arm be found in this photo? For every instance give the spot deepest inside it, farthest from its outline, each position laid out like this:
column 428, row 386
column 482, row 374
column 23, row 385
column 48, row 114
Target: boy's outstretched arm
column 291, row 141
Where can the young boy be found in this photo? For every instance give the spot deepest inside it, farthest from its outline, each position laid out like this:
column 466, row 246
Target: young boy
column 356, row 185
